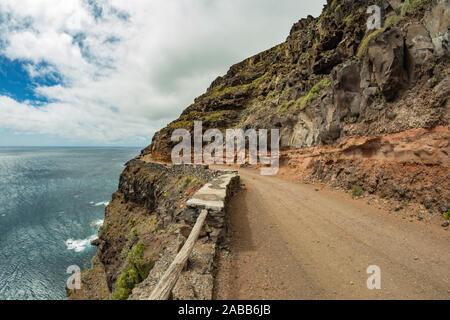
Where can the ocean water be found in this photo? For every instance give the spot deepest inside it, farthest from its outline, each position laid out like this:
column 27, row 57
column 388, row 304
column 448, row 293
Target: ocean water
column 52, row 202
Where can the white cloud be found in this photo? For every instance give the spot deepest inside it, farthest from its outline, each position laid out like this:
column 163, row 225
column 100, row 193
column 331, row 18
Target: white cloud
column 130, row 67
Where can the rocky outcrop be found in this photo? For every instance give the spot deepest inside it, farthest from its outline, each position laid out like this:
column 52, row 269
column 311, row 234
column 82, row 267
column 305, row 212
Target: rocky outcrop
column 384, row 65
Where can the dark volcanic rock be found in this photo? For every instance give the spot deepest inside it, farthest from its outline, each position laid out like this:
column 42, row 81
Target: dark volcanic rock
column 386, row 63
column 333, row 79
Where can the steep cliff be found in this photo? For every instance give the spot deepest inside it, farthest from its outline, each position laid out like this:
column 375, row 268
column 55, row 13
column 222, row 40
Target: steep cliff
column 333, row 80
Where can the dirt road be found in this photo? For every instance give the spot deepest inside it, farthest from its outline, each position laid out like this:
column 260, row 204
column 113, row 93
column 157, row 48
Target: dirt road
column 292, row 241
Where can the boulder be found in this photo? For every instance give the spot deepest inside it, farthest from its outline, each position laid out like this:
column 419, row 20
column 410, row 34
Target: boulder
column 385, row 61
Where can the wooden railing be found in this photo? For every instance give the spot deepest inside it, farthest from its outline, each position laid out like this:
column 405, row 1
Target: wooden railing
column 169, row 279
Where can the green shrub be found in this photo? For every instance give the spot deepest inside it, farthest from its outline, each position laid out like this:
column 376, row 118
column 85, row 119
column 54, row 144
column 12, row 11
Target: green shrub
column 133, row 233
column 187, row 181
column 357, row 190
column 446, row 215
column 135, row 271
column 125, row 251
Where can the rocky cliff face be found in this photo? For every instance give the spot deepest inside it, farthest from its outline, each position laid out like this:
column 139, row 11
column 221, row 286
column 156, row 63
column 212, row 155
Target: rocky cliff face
column 334, row 80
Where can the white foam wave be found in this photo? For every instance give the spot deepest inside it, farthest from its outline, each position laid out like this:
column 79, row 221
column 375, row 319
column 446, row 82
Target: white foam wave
column 96, row 223
column 79, row 245
column 98, row 204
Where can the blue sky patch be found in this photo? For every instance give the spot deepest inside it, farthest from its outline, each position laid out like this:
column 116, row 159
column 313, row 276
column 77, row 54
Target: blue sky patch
column 16, row 82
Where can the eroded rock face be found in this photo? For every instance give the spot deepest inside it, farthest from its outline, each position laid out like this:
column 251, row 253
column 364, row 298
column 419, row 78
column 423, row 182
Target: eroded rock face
column 410, row 166
column 332, row 79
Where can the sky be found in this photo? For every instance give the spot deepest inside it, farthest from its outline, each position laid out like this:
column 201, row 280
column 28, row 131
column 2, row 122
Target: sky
column 113, row 72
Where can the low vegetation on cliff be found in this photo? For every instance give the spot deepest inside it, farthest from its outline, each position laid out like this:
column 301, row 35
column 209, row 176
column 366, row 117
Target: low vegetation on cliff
column 135, row 271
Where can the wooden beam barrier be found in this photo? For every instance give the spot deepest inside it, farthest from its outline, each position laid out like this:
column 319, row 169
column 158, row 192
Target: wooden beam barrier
column 170, row 277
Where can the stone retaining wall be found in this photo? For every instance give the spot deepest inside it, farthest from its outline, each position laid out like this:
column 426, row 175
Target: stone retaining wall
column 196, row 281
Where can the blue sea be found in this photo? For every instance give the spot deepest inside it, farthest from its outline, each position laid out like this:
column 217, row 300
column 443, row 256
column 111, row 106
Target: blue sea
column 52, row 202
